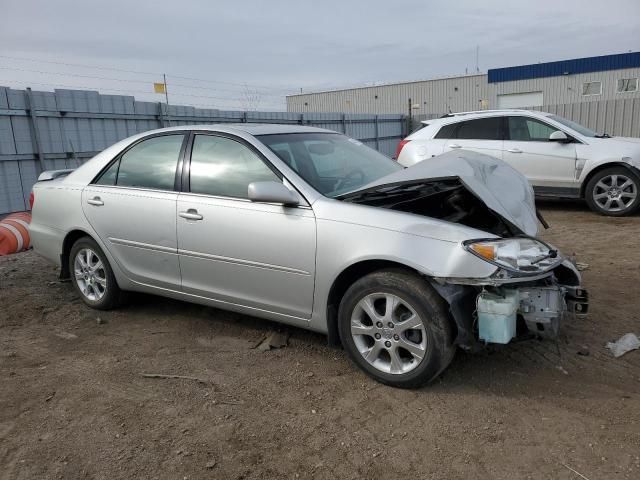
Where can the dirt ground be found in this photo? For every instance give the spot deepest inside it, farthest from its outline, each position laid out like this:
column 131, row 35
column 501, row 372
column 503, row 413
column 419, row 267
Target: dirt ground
column 73, row 402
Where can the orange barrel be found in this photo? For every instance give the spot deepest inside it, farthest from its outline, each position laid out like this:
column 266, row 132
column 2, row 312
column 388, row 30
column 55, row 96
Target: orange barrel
column 14, row 233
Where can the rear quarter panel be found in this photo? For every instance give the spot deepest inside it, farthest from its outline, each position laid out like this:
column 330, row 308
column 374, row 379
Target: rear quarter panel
column 420, row 149
column 57, row 211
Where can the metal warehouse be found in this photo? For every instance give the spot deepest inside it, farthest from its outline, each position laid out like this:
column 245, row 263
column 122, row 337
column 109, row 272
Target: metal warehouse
column 592, row 79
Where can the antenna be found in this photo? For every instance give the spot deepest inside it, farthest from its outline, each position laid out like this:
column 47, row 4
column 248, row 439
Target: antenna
column 477, row 58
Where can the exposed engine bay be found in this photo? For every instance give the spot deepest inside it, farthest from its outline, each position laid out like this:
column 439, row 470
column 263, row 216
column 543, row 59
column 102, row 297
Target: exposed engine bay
column 445, row 199
column 525, row 309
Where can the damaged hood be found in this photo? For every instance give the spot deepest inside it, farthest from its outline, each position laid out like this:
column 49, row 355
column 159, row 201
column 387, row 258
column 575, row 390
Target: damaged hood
column 500, row 187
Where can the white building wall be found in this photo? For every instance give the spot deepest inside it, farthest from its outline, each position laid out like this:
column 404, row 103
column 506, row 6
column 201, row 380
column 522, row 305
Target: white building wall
column 462, row 93
column 568, row 89
column 429, row 96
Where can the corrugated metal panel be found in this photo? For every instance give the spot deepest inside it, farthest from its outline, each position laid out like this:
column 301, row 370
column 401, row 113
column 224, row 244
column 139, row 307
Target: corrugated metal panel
column 568, row 89
column 4, row 103
column 467, row 92
column 11, row 198
column 565, row 67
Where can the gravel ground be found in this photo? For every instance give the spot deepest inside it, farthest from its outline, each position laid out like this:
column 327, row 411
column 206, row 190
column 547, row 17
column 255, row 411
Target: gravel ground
column 73, row 402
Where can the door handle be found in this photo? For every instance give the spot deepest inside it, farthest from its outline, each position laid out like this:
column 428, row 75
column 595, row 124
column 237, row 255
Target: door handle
column 191, row 214
column 96, row 201
column 455, row 145
column 514, row 150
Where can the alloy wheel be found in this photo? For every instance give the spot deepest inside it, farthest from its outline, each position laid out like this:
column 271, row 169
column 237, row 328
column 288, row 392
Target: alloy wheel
column 388, row 333
column 615, row 192
column 90, row 274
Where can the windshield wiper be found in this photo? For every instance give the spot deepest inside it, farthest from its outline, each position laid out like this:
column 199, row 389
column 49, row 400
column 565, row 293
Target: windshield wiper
column 603, row 135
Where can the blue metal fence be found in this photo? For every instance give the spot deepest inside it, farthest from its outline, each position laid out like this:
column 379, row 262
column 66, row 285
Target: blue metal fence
column 62, row 129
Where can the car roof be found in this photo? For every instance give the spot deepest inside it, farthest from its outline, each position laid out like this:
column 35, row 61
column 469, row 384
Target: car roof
column 249, row 128
column 455, row 117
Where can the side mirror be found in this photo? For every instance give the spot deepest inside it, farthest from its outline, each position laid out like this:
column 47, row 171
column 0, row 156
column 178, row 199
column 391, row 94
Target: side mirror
column 558, row 136
column 272, row 192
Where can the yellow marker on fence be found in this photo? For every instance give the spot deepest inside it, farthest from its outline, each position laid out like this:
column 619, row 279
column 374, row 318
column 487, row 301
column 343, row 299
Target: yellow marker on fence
column 162, row 88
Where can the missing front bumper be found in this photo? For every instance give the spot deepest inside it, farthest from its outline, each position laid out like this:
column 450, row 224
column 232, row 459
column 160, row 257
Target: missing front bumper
column 541, row 307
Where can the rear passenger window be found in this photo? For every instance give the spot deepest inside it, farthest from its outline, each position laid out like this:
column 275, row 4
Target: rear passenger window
column 447, row 131
column 149, row 164
column 480, row 129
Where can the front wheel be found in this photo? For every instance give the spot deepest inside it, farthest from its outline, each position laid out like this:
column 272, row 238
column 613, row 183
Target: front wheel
column 396, row 328
column 92, row 276
column 613, row 192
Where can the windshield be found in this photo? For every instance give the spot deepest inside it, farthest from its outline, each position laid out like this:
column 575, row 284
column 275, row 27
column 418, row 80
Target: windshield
column 331, row 163
column 587, row 132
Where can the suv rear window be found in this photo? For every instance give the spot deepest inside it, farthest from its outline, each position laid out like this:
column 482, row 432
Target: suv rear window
column 447, row 131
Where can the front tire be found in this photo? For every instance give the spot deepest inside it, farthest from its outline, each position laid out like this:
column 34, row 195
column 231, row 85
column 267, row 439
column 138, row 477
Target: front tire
column 614, row 192
column 92, row 276
column 396, row 328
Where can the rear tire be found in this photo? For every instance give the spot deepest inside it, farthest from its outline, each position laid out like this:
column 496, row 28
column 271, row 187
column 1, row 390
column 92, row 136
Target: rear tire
column 396, row 328
column 614, row 192
column 92, row 276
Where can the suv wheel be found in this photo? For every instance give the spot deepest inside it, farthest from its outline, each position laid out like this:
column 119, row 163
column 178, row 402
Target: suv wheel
column 396, row 328
column 614, row 192
column 92, row 276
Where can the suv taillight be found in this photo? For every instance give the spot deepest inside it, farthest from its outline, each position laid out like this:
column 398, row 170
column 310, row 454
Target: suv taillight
column 400, row 147
column 32, row 200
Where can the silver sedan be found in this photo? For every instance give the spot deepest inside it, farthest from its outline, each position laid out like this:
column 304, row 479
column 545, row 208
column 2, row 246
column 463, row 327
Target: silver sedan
column 311, row 228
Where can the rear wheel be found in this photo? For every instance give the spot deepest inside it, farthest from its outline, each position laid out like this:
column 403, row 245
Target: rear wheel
column 614, row 192
column 396, row 328
column 92, row 276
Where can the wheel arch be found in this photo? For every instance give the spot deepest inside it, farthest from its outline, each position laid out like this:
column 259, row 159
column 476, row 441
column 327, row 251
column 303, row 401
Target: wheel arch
column 70, row 238
column 600, row 168
column 344, row 280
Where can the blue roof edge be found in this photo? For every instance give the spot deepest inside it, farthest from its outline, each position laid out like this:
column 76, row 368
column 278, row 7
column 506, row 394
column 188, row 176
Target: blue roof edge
column 565, row 67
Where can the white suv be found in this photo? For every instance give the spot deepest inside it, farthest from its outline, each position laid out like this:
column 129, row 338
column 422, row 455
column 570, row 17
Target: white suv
column 561, row 158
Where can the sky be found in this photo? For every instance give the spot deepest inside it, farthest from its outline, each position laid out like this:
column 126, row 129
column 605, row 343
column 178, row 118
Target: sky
column 249, row 54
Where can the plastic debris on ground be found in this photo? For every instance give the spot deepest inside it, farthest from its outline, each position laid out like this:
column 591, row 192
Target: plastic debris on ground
column 625, row 344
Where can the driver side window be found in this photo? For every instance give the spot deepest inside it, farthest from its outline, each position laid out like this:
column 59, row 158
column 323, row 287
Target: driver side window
column 224, row 167
column 525, row 129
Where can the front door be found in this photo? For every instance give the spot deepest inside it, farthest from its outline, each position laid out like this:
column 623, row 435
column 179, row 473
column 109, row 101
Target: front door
column 132, row 208
column 549, row 166
column 256, row 255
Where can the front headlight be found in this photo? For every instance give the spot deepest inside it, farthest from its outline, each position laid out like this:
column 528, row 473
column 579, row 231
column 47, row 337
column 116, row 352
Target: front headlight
column 524, row 255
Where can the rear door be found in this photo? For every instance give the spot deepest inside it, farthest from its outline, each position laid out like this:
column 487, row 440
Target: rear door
column 549, row 166
column 482, row 135
column 132, row 207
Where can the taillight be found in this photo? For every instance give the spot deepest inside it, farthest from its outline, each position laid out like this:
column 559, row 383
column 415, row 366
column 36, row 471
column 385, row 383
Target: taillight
column 400, row 147
column 32, row 200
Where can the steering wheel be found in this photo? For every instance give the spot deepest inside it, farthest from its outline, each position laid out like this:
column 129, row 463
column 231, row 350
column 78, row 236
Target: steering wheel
column 349, row 179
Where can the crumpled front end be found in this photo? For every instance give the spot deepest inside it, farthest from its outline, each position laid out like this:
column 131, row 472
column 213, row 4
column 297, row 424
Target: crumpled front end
column 507, row 307
column 531, row 289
